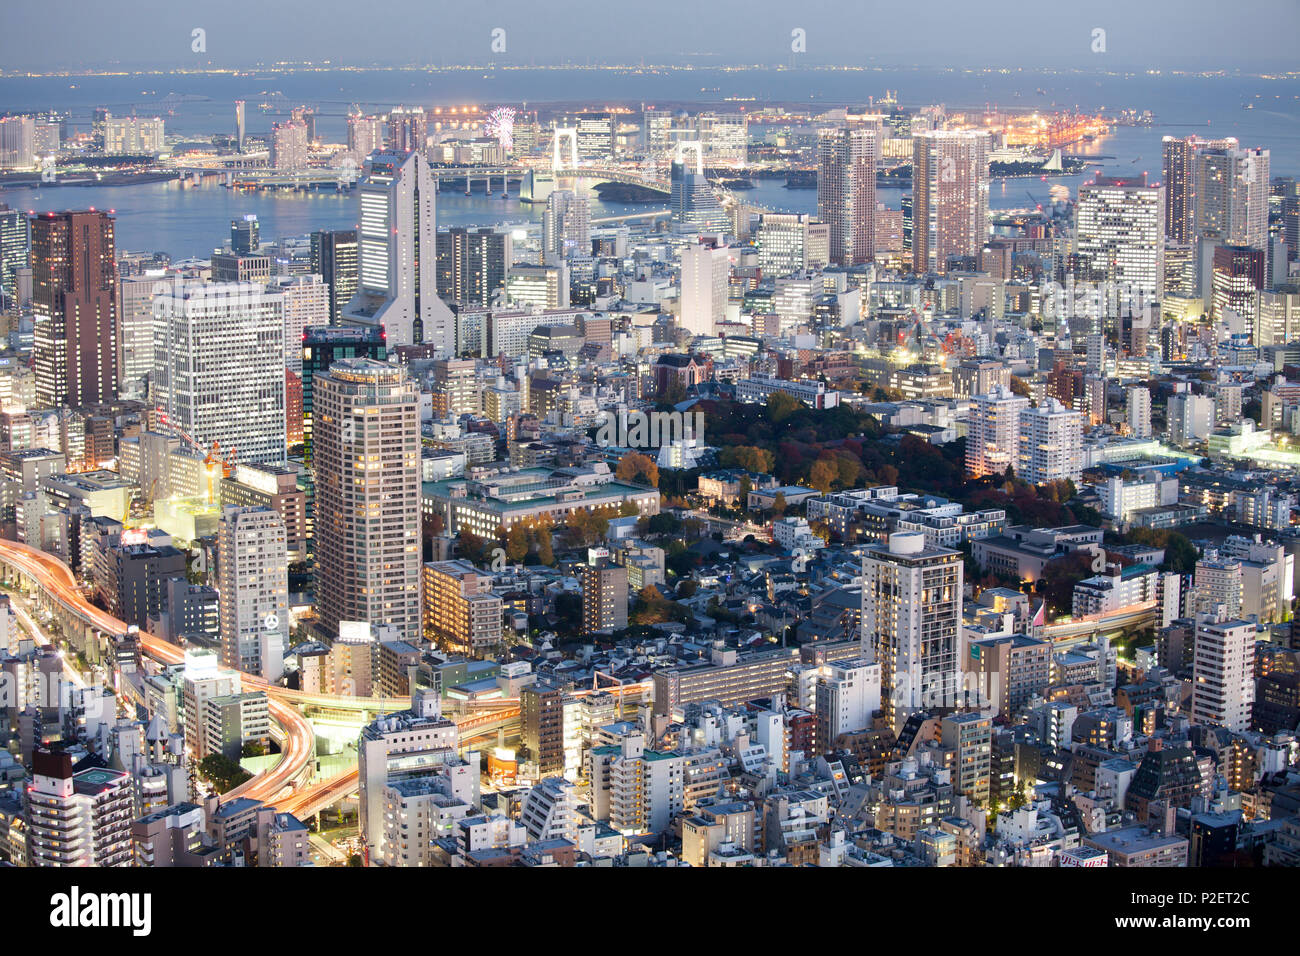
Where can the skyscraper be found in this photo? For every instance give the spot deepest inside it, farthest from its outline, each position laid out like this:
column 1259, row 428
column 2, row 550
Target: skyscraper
column 245, row 235
column 253, row 583
column 846, row 192
column 219, row 366
column 1120, row 231
column 365, row 134
column 911, row 623
column 1238, row 277
column 74, row 301
column 304, row 304
column 1232, row 194
column 472, row 264
column 289, row 146
column 950, row 197
column 14, row 245
column 692, row 204
column 408, row 131
column 706, row 269
column 321, row 348
column 367, row 461
column 397, row 261
column 239, row 126
column 566, row 226
column 334, row 259
column 1180, row 193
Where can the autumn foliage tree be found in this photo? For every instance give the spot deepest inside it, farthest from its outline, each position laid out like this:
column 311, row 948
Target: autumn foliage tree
column 636, row 465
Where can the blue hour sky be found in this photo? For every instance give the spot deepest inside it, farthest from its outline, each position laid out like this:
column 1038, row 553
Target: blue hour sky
column 1249, row 35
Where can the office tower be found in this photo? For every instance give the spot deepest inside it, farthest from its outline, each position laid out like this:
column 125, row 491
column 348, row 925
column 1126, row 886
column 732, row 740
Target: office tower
column 847, row 696
column 289, row 146
column 1279, row 319
column 1137, row 409
column 1232, row 194
column 135, row 320
column 706, row 276
column 17, row 142
column 1236, row 281
column 950, row 197
column 911, row 623
column 1051, row 443
column 1180, row 193
column 545, row 287
column 846, row 192
column 321, row 348
column 1290, row 220
column 1120, row 232
column 365, row 134
column 245, row 235
column 725, row 137
column 692, row 205
column 595, row 134
column 541, row 721
column 566, row 226
column 129, row 136
column 74, row 302
column 14, row 245
column 367, row 465
column 461, row 614
column 334, row 259
column 455, row 382
column 789, row 243
column 993, row 432
column 78, row 819
column 397, row 285
column 1223, row 674
column 408, row 131
column 253, row 581
column 219, row 367
column 239, row 126
column 604, row 597
column 304, row 303
column 472, row 265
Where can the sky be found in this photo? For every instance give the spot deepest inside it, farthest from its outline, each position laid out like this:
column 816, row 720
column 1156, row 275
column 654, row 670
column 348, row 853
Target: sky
column 1248, row 35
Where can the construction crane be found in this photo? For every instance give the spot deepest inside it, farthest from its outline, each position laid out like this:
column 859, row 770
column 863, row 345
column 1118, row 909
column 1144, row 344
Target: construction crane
column 212, row 456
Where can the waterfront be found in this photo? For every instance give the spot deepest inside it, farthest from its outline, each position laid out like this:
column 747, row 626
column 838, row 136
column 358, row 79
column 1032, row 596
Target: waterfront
column 191, row 221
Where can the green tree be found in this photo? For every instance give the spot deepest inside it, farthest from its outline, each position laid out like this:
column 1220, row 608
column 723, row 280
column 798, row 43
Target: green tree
column 781, row 406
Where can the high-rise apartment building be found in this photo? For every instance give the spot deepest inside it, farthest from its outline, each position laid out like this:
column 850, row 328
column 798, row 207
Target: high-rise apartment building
column 950, row 197
column 365, row 134
column 74, row 303
column 1231, row 196
column 321, row 348
column 472, row 264
column 461, row 614
column 253, row 583
column 219, row 367
column 993, row 432
column 846, row 192
column 1137, row 410
column 397, row 285
column 1051, row 443
column 1179, row 184
column 911, row 623
column 604, row 597
column 408, row 131
column 566, row 226
column 1223, row 674
column 78, row 819
column 366, row 455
